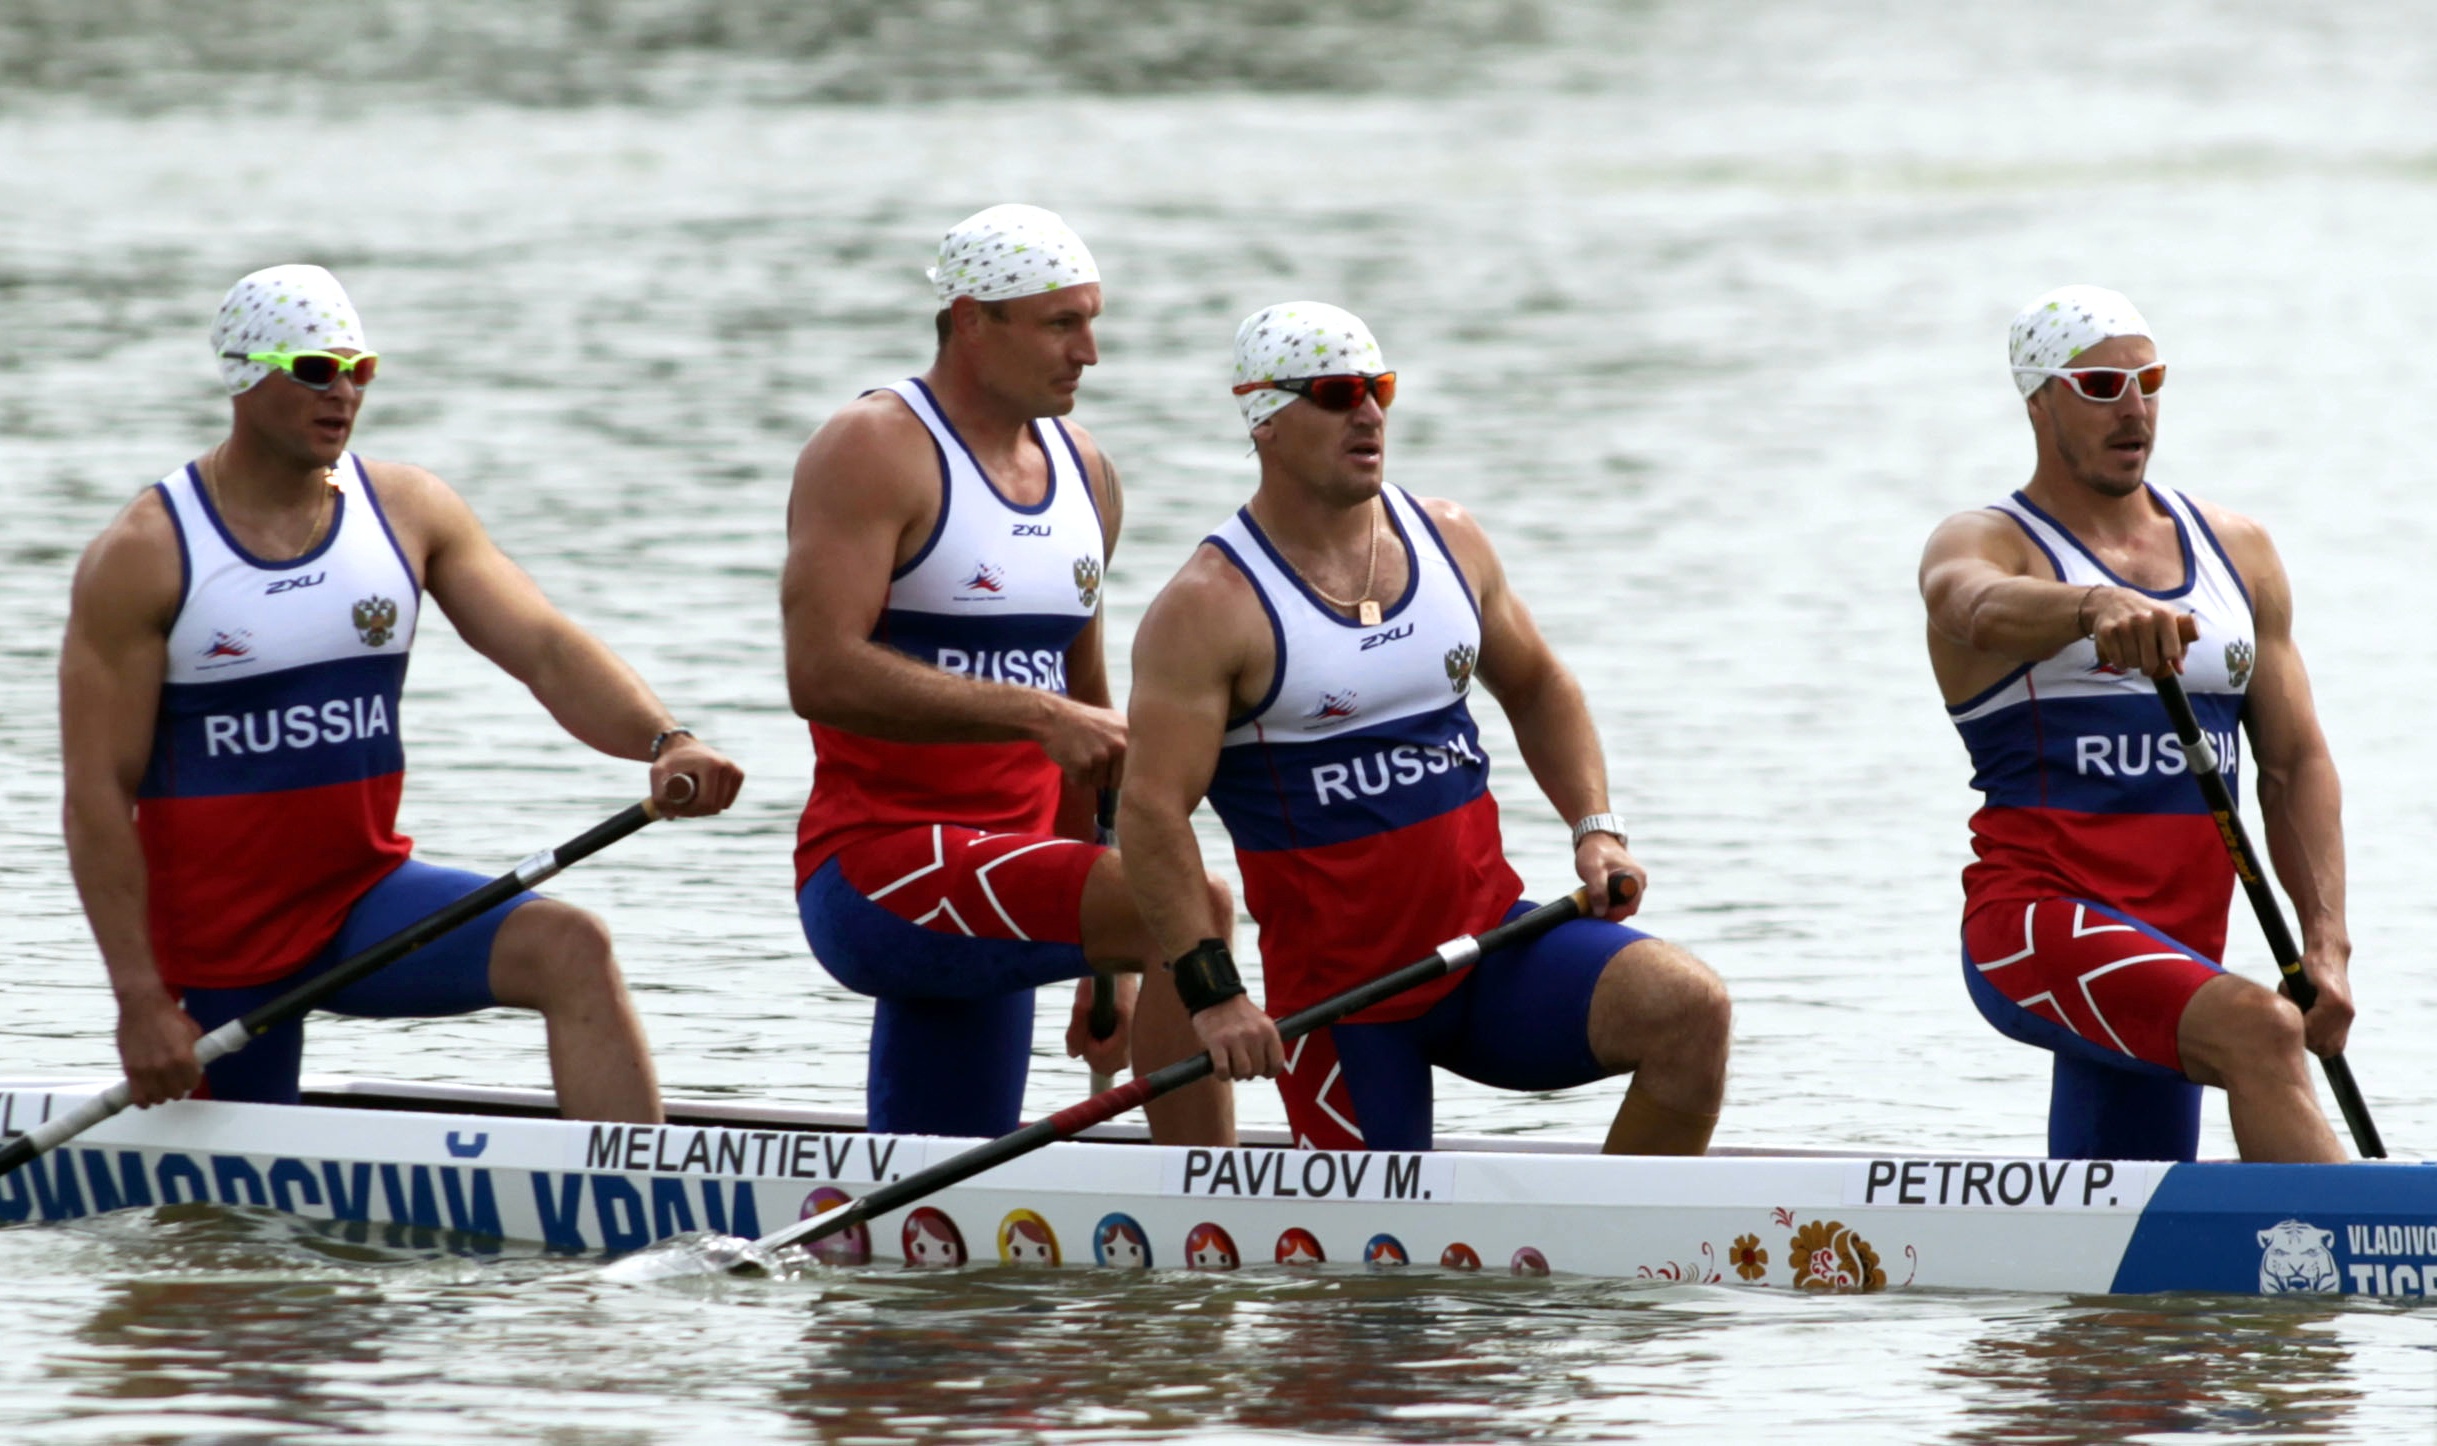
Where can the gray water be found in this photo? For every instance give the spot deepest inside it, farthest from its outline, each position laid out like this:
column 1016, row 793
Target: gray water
column 1700, row 305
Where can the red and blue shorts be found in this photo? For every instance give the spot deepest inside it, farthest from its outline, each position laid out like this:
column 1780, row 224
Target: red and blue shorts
column 951, row 930
column 1518, row 1020
column 2083, row 980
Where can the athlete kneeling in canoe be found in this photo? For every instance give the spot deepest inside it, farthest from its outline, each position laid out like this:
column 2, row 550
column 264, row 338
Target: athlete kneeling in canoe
column 946, row 541
column 229, row 689
column 1309, row 673
column 2096, row 910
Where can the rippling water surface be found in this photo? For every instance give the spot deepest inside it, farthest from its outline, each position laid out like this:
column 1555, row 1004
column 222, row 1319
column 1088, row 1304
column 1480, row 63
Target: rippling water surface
column 1701, row 306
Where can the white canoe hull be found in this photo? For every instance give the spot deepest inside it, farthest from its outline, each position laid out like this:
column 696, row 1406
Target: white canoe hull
column 475, row 1168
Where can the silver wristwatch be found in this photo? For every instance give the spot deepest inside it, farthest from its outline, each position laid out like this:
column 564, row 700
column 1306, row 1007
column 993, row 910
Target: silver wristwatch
column 1600, row 823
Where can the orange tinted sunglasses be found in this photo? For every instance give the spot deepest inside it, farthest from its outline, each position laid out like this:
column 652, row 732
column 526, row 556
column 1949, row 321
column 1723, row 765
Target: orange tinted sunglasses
column 1332, row 394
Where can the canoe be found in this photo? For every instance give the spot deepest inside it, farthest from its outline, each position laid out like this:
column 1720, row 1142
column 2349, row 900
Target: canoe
column 478, row 1170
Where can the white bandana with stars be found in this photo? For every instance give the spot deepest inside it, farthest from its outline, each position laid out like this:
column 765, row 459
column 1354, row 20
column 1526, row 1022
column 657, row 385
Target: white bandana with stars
column 1010, row 251
column 2063, row 324
column 282, row 308
column 1298, row 339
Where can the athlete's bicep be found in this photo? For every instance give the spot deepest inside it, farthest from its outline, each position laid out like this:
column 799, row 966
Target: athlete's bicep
column 1966, row 556
column 848, row 512
column 496, row 606
column 115, row 657
column 1186, row 661
column 2278, row 709
column 1515, row 656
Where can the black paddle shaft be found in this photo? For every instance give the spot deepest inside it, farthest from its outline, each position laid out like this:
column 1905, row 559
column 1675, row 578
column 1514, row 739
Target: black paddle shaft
column 1075, row 1119
column 1103, row 1021
column 233, row 1036
column 2201, row 755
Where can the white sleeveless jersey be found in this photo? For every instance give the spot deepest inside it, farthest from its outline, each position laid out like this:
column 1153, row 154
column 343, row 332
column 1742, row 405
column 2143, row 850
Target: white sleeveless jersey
column 270, row 800
column 1356, row 792
column 999, row 591
column 2087, row 791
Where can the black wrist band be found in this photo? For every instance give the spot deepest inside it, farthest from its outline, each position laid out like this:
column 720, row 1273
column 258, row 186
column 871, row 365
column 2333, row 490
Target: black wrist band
column 1206, row 976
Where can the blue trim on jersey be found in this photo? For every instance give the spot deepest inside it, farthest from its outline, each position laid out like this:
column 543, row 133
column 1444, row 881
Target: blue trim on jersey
column 2055, row 563
column 2127, row 728
column 2183, row 537
column 381, row 514
column 1277, row 635
column 451, row 975
column 338, row 519
column 186, row 559
column 1090, row 494
column 1957, row 710
column 302, row 727
column 1426, row 765
column 1047, row 496
column 1448, row 553
column 1413, row 570
column 2219, row 548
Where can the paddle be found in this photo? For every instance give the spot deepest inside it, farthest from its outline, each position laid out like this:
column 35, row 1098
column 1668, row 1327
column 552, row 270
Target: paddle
column 238, row 1033
column 1067, row 1123
column 2220, row 796
column 1103, row 1021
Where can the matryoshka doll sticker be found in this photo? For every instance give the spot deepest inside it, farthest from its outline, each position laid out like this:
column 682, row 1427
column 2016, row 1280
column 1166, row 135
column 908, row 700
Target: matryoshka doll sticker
column 1024, row 1238
column 1299, row 1246
column 851, row 1246
column 932, row 1239
column 1209, row 1247
column 1119, row 1241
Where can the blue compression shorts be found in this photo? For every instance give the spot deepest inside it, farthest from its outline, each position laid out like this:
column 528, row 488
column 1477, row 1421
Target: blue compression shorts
column 1519, row 1020
column 450, row 975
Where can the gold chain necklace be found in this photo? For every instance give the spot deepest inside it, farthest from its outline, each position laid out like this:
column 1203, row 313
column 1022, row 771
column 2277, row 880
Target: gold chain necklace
column 209, row 472
column 1366, row 608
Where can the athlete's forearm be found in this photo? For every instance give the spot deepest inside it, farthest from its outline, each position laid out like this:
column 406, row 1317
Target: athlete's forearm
column 106, row 859
column 2027, row 619
column 2303, row 808
column 1559, row 742
column 596, row 696
column 879, row 692
column 1164, row 872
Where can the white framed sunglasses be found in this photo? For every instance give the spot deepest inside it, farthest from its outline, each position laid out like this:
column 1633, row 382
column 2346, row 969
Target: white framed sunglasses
column 2104, row 384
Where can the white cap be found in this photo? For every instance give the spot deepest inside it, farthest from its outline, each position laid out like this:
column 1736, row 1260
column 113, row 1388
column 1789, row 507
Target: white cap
column 1298, row 339
column 2057, row 327
column 282, row 308
column 1010, row 251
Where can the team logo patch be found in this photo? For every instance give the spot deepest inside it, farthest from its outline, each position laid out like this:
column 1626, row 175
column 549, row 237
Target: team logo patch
column 1087, row 581
column 1333, row 706
column 2294, row 1258
column 376, row 618
column 985, row 578
column 226, row 650
column 2238, row 656
column 1460, row 660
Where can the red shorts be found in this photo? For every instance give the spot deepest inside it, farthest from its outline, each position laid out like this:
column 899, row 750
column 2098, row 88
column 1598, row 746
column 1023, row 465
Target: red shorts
column 2107, row 981
column 953, row 880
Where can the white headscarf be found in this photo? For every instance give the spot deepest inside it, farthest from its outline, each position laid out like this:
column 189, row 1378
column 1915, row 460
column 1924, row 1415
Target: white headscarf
column 1298, row 339
column 282, row 308
column 1010, row 251
column 2057, row 327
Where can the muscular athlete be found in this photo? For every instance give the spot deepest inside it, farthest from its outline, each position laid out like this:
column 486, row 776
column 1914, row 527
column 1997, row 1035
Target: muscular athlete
column 1309, row 672
column 947, row 541
column 229, row 690
column 2096, row 910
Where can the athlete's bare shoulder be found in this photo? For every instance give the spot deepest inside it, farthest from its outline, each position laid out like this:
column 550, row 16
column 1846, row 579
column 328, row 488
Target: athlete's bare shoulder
column 2245, row 540
column 423, row 511
column 133, row 572
column 1982, row 537
column 1209, row 615
column 1468, row 541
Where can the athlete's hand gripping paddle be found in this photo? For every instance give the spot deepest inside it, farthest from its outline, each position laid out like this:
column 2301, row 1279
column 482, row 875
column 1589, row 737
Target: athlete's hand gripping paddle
column 1457, row 953
column 2202, row 756
column 238, row 1033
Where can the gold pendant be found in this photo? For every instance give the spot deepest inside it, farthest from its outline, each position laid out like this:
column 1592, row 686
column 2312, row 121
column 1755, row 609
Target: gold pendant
column 1366, row 612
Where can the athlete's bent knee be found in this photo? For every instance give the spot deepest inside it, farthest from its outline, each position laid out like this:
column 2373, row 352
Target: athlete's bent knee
column 552, row 953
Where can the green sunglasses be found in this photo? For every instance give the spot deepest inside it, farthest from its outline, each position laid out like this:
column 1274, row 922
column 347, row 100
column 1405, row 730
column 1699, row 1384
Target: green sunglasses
column 316, row 369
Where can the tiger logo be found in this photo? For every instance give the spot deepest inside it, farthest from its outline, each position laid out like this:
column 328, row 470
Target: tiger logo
column 1087, row 581
column 1460, row 661
column 2294, row 1259
column 376, row 620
